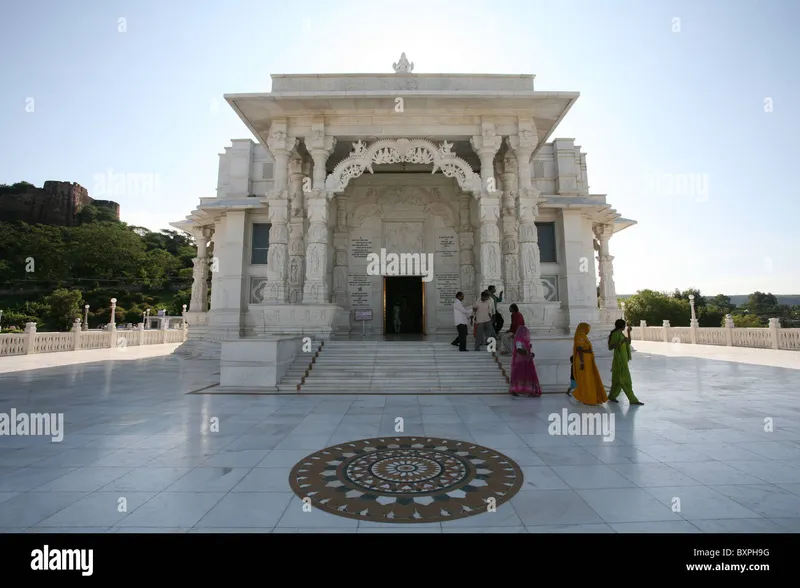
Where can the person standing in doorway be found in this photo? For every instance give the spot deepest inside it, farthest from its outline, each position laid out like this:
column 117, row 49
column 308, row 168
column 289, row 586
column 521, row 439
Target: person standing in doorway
column 461, row 316
column 483, row 320
column 396, row 317
column 620, row 344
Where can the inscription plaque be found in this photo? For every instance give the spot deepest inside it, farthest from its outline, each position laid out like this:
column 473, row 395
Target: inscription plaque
column 446, row 288
column 360, row 290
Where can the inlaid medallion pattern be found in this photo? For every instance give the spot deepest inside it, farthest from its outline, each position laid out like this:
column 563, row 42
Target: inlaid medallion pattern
column 406, row 479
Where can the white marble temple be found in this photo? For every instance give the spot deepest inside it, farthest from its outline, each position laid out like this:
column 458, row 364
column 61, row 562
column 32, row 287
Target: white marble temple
column 459, row 166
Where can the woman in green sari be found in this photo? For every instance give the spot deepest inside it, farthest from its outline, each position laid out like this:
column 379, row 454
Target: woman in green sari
column 620, row 374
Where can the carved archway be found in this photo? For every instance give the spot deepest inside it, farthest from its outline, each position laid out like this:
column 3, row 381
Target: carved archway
column 419, row 151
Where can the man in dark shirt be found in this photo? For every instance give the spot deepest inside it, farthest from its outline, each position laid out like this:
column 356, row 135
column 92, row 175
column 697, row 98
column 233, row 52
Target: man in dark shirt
column 497, row 318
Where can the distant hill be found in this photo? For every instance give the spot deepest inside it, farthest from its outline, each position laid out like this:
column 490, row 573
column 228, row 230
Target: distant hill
column 739, row 299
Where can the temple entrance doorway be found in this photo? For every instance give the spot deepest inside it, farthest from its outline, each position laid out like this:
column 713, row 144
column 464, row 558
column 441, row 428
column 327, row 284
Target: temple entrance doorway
column 403, row 305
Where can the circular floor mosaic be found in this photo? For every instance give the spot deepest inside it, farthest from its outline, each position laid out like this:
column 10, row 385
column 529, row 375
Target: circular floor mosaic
column 406, row 479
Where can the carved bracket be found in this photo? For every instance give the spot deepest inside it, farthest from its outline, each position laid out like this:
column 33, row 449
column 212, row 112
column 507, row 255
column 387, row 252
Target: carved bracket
column 279, row 142
column 318, row 140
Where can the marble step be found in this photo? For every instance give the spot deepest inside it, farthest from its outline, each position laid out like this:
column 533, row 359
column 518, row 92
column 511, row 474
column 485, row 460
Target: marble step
column 411, row 360
column 390, row 367
column 327, row 389
column 399, row 379
column 427, row 366
column 412, row 363
column 363, row 369
column 452, row 352
column 383, row 383
column 377, row 375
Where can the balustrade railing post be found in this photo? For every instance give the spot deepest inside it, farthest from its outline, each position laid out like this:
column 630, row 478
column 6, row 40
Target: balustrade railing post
column 30, row 337
column 643, row 326
column 774, row 325
column 665, row 331
column 729, row 330
column 140, row 328
column 76, row 334
column 112, row 336
column 184, row 325
column 164, row 330
column 695, row 324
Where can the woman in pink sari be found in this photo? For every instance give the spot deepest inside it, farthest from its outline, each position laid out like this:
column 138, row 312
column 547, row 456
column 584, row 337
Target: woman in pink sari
column 523, row 373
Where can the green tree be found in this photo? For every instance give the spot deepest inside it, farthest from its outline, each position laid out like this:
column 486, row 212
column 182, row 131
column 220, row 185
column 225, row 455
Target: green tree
column 107, row 251
column 699, row 299
column 655, row 307
column 760, row 303
column 65, row 307
column 709, row 313
column 33, row 253
column 17, row 188
column 722, row 302
column 715, row 310
column 177, row 302
column 133, row 315
column 96, row 214
column 745, row 320
column 160, row 266
column 103, row 259
column 16, row 319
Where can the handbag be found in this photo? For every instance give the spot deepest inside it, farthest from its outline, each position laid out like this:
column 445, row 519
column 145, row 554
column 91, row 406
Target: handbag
column 498, row 322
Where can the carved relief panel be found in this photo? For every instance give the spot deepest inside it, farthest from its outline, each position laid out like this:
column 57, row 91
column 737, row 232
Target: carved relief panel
column 403, row 237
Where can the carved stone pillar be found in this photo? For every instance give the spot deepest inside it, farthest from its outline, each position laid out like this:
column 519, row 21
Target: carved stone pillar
column 608, row 291
column 320, row 147
column 490, row 243
column 486, row 146
column 340, row 260
column 522, row 145
column 281, row 147
column 297, row 246
column 530, row 261
column 199, row 300
column 510, row 230
column 466, row 243
column 316, row 289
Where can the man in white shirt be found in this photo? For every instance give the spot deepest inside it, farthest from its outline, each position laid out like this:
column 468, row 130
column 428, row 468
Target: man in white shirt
column 461, row 316
column 483, row 320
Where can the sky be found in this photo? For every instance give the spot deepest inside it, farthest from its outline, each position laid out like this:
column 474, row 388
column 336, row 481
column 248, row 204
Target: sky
column 688, row 109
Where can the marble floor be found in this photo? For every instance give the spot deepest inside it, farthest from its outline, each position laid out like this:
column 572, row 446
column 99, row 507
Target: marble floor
column 716, row 448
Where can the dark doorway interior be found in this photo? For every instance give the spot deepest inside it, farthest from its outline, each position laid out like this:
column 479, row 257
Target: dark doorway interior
column 404, row 292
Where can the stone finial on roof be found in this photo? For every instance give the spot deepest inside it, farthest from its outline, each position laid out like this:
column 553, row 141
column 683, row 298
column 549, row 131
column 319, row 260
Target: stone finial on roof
column 403, row 66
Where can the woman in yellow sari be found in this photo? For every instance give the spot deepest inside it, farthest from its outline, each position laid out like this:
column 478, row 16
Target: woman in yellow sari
column 590, row 388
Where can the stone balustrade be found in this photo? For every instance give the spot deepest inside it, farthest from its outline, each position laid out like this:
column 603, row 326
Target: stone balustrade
column 77, row 339
column 772, row 337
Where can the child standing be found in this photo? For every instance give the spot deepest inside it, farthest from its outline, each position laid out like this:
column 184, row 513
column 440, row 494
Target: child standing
column 572, row 383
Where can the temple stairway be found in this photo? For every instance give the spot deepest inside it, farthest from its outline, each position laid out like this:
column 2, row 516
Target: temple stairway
column 394, row 367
